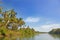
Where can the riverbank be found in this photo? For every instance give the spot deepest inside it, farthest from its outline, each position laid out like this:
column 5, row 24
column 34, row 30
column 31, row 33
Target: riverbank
column 22, row 32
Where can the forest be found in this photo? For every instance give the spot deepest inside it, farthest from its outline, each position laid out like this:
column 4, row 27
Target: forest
column 9, row 25
column 55, row 31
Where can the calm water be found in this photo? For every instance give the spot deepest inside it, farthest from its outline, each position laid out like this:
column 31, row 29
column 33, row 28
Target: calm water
column 36, row 37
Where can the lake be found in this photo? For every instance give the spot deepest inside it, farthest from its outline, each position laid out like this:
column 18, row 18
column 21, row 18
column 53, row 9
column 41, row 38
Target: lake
column 45, row 36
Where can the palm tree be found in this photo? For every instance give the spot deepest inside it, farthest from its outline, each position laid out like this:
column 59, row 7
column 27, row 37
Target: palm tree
column 1, row 18
column 5, row 18
column 0, row 10
column 9, row 19
column 21, row 22
column 12, row 13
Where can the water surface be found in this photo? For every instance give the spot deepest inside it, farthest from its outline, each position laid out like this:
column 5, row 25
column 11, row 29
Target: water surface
column 35, row 37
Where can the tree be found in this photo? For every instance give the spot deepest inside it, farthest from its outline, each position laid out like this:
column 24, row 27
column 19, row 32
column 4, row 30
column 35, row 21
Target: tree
column 0, row 10
column 21, row 22
column 9, row 19
column 1, row 22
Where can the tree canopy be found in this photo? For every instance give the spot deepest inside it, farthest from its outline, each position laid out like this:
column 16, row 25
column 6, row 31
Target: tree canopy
column 9, row 19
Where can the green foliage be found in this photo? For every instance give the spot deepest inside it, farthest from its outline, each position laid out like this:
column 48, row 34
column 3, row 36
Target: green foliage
column 3, row 31
column 10, row 17
column 1, row 19
column 27, row 31
column 9, row 24
column 0, row 10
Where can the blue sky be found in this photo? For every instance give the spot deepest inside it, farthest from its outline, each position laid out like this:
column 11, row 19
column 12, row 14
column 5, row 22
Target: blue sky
column 42, row 15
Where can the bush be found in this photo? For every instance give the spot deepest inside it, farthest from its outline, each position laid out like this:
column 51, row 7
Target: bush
column 2, row 32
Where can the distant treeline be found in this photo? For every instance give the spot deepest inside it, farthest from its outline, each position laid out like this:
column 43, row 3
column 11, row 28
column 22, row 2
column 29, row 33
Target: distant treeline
column 55, row 31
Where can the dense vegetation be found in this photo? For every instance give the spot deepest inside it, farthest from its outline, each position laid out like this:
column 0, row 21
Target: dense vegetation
column 55, row 31
column 9, row 25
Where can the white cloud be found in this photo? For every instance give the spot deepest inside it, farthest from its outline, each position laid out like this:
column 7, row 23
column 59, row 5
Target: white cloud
column 42, row 28
column 47, row 28
column 31, row 19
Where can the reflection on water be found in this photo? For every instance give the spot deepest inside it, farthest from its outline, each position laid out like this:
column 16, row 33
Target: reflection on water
column 36, row 37
column 55, row 36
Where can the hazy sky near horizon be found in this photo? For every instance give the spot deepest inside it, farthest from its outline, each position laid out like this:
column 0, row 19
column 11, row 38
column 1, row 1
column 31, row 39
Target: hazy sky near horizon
column 42, row 15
